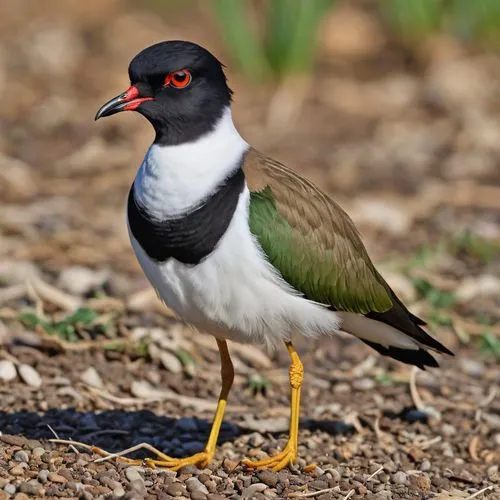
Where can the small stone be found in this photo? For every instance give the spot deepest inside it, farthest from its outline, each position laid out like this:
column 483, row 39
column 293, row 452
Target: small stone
column 318, row 484
column 57, row 478
column 21, row 456
column 170, row 362
column 425, row 466
column 37, row 452
column 91, row 377
column 132, row 474
column 43, row 476
column 14, row 440
column 21, row 496
column 189, row 469
column 18, row 470
column 364, row 384
column 9, row 488
column 448, row 430
column 7, row 370
column 194, row 484
column 472, row 367
column 249, row 492
column 198, row 495
column 32, row 487
column 255, row 440
column 80, row 280
column 30, row 376
column 493, row 474
column 421, row 482
column 268, row 477
column 176, row 490
column 229, row 465
column 399, row 477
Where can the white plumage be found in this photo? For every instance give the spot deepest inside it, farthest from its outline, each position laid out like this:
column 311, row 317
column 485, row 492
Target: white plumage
column 233, row 293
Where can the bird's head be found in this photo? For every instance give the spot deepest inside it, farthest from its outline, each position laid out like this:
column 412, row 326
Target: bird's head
column 179, row 87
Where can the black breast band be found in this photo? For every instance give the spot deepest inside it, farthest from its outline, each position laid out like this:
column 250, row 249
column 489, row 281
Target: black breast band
column 193, row 236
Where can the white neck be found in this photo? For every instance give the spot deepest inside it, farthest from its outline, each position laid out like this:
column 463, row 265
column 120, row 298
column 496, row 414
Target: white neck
column 174, row 179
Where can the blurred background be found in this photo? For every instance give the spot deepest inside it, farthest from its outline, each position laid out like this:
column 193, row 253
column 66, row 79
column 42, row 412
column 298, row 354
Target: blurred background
column 391, row 106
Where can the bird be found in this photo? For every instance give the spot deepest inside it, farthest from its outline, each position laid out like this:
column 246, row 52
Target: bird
column 239, row 245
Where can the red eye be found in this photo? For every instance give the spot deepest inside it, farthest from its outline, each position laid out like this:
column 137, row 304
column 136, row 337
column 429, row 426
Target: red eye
column 179, row 79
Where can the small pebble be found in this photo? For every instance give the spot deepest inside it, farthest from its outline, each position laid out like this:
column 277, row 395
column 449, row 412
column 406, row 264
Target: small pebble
column 364, row 384
column 255, row 440
column 9, row 488
column 7, row 370
column 249, row 492
column 32, row 487
column 170, row 362
column 91, row 377
column 268, row 477
column 18, row 470
column 421, row 482
column 21, row 456
column 318, row 484
column 43, row 476
column 57, row 478
column 30, row 376
column 194, row 484
column 37, row 452
column 198, row 495
column 425, row 466
column 448, row 430
column 189, row 469
column 399, row 477
column 176, row 490
column 132, row 474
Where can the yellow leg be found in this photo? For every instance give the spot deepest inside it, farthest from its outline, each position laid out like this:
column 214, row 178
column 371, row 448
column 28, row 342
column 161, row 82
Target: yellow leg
column 203, row 458
column 289, row 454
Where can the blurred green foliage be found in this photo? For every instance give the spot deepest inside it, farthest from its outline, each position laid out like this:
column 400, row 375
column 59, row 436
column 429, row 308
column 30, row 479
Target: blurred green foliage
column 277, row 37
column 287, row 37
column 469, row 20
column 66, row 328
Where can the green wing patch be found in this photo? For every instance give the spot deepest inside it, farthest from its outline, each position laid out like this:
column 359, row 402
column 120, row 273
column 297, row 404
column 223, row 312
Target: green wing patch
column 314, row 244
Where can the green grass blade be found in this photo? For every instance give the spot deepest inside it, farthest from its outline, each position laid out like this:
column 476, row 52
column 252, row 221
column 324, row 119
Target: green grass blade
column 240, row 39
column 413, row 19
column 291, row 33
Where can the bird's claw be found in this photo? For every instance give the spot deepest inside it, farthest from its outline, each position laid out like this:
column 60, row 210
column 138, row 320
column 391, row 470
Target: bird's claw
column 201, row 459
column 276, row 462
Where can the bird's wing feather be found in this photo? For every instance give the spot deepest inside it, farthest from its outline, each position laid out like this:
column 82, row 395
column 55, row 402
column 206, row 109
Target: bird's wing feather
column 317, row 249
column 311, row 240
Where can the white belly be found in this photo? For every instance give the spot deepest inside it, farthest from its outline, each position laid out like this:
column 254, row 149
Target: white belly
column 235, row 293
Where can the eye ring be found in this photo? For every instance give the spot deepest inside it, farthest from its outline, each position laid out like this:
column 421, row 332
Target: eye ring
column 178, row 79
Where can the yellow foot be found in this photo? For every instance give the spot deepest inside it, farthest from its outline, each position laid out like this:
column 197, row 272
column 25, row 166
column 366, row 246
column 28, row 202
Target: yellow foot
column 276, row 462
column 201, row 459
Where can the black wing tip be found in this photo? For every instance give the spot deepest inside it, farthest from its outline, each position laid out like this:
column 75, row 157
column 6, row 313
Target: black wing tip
column 432, row 343
column 417, row 357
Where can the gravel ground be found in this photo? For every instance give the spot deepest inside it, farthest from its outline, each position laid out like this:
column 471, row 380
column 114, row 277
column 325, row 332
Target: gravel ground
column 407, row 140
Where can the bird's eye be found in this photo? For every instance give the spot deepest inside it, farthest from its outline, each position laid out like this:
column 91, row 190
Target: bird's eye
column 178, row 79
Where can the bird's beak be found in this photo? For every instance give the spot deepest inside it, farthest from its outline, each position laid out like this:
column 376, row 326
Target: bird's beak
column 128, row 101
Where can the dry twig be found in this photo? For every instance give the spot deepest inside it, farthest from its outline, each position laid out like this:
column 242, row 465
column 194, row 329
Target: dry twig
column 67, row 441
